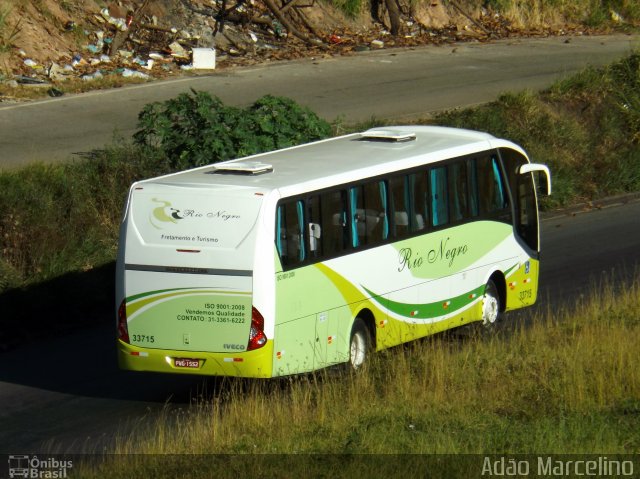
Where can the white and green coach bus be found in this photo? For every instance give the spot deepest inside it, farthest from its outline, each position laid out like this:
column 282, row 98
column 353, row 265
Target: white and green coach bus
column 302, row 258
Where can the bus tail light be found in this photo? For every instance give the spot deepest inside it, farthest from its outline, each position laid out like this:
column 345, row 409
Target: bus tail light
column 123, row 330
column 257, row 338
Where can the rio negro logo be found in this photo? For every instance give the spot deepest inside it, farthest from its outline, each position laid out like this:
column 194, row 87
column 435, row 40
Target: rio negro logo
column 163, row 213
column 410, row 259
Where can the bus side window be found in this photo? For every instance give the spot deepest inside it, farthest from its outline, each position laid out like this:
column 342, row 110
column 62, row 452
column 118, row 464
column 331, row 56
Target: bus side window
column 439, row 201
column 369, row 218
column 417, row 185
column 333, row 211
column 290, row 234
column 410, row 205
column 314, row 225
column 399, row 203
column 494, row 198
column 458, row 197
column 472, row 174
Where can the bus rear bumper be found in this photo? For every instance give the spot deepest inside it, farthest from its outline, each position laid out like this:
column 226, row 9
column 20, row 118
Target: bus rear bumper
column 254, row 364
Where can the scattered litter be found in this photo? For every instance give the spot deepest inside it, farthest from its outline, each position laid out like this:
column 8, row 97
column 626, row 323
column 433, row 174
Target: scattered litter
column 25, row 80
column 616, row 17
column 204, row 58
column 54, row 92
column 178, row 50
column 119, row 23
column 92, row 76
column 132, row 40
column 77, row 60
column 58, row 73
column 129, row 73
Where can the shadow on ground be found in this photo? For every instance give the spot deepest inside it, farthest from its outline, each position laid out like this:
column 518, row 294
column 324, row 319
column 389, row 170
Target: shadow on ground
column 59, row 335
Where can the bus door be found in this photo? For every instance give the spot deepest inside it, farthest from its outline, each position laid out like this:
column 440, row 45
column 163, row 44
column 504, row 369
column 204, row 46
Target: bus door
column 523, row 190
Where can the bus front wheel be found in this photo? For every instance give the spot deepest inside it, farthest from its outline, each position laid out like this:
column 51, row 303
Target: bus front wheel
column 359, row 345
column 491, row 307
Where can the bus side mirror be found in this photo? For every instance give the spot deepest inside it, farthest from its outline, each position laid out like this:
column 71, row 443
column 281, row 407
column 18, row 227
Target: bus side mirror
column 544, row 186
column 314, row 236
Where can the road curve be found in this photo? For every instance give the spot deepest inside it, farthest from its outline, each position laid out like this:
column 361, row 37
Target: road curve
column 402, row 83
column 67, row 395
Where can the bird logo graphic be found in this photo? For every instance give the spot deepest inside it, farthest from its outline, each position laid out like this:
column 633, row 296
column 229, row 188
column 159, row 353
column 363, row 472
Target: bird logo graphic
column 163, row 213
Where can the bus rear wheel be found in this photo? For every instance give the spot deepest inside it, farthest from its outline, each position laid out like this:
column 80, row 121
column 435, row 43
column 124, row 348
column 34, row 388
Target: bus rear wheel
column 491, row 306
column 359, row 344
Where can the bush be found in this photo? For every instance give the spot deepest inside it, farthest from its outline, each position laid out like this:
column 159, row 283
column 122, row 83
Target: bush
column 195, row 129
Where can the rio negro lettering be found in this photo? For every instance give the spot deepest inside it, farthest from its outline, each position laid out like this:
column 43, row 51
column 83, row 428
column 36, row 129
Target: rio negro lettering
column 410, row 259
column 220, row 214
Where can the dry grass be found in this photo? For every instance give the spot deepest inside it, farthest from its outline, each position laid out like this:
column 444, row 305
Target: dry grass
column 565, row 383
column 555, row 13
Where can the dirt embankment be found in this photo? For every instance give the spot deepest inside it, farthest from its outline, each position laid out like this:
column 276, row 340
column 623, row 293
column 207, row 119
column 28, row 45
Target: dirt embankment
column 52, row 41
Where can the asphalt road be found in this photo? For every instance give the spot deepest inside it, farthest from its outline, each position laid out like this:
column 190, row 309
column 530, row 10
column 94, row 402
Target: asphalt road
column 66, row 394
column 384, row 84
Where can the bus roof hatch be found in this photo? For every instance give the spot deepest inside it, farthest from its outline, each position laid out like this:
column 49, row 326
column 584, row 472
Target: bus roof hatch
column 242, row 167
column 391, row 136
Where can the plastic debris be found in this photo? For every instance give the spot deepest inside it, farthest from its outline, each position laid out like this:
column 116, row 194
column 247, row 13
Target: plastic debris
column 58, row 73
column 377, row 44
column 204, row 58
column 119, row 23
column 129, row 73
column 616, row 17
column 129, row 19
column 24, row 80
column 178, row 50
column 77, row 60
column 54, row 92
column 92, row 76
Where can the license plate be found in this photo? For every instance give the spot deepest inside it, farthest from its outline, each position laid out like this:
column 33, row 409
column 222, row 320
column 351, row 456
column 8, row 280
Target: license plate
column 186, row 363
